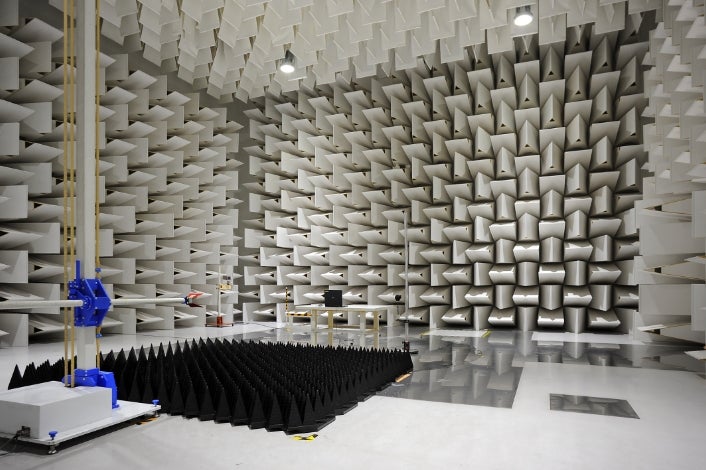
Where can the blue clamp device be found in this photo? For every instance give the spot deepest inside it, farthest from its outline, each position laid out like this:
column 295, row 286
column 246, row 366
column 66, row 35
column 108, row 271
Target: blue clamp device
column 96, row 301
column 96, row 304
column 95, row 378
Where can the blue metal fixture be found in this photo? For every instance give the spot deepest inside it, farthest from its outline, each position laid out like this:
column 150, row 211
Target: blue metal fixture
column 96, row 304
column 96, row 301
column 96, row 378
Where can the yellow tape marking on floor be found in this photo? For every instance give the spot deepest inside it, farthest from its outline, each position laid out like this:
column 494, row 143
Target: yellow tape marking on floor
column 402, row 377
column 146, row 420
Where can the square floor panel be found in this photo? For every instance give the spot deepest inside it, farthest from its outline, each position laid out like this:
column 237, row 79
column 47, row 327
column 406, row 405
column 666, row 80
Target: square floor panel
column 466, row 385
column 592, row 405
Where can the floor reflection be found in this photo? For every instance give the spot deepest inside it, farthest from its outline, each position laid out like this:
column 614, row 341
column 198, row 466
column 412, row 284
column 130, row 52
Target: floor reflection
column 467, row 385
column 484, row 367
column 592, row 405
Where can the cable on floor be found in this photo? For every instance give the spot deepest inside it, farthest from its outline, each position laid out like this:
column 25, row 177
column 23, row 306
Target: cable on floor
column 14, row 439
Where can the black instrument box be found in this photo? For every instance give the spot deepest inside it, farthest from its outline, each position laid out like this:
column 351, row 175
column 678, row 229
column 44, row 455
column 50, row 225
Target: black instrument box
column 333, row 298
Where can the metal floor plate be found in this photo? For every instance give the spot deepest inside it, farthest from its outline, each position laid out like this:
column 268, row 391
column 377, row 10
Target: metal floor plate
column 592, row 405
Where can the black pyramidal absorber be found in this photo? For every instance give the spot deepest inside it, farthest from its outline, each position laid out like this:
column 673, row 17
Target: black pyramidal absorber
column 135, row 394
column 163, row 394
column 57, row 370
column 206, row 409
column 222, row 411
column 308, row 417
column 191, row 402
column 148, row 393
column 16, row 379
column 176, row 400
column 239, row 415
column 108, row 360
column 44, row 372
column 257, row 413
column 275, row 420
column 294, row 420
column 289, row 387
column 30, row 375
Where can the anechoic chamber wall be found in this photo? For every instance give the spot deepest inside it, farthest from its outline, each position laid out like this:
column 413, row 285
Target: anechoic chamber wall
column 519, row 172
column 167, row 188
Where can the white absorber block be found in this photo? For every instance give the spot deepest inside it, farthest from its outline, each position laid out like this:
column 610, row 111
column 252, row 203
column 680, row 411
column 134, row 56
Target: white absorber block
column 50, row 406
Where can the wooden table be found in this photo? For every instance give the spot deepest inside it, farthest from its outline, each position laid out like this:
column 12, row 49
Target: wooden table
column 361, row 310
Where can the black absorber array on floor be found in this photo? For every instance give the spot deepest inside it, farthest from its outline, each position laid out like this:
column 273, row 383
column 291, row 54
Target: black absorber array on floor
column 290, row 387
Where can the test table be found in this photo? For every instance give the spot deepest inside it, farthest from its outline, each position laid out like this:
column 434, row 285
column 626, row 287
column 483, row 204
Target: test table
column 314, row 311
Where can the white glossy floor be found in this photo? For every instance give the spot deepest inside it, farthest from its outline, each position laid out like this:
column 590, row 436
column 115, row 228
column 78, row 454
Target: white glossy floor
column 390, row 432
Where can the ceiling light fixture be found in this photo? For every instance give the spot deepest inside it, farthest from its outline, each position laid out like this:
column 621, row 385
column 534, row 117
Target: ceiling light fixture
column 523, row 16
column 287, row 65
